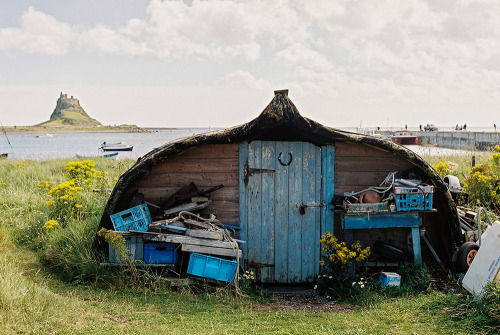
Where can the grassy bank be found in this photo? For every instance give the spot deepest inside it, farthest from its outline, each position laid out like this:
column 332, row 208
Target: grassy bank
column 52, row 283
column 72, row 129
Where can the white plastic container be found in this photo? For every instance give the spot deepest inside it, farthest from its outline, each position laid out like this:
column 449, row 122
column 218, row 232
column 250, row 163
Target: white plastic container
column 486, row 264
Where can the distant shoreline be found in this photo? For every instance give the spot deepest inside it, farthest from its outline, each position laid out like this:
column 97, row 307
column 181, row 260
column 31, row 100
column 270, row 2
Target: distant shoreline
column 103, row 129
column 69, row 130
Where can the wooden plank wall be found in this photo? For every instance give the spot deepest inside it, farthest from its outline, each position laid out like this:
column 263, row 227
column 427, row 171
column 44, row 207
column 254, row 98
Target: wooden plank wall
column 360, row 166
column 207, row 166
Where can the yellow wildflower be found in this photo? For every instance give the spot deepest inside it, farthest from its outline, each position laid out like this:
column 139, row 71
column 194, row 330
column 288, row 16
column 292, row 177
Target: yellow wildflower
column 50, row 224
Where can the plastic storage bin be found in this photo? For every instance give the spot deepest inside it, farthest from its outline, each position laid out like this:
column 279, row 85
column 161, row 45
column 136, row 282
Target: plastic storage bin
column 134, row 245
column 413, row 202
column 389, row 279
column 135, row 218
column 160, row 253
column 413, row 199
column 212, row 267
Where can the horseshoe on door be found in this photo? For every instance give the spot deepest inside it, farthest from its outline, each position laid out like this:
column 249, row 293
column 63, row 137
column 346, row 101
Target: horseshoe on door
column 289, row 161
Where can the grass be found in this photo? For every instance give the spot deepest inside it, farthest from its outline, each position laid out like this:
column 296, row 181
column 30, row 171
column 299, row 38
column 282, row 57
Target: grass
column 462, row 162
column 51, row 284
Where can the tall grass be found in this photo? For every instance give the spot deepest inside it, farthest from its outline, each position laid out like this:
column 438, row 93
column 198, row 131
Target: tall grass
column 51, row 282
column 24, row 211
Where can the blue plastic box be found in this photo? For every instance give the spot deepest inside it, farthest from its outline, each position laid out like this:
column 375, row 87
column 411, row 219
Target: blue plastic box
column 212, row 267
column 389, row 279
column 135, row 218
column 160, row 253
column 134, row 245
column 413, row 198
column 413, row 202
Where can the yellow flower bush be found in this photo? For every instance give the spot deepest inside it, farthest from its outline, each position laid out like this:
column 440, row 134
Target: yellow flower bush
column 339, row 253
column 45, row 184
column 66, row 191
column 482, row 184
column 50, row 203
column 442, row 168
column 51, row 224
column 334, row 280
column 84, row 173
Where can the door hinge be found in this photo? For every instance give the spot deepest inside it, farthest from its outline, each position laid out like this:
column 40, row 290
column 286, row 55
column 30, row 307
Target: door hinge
column 248, row 171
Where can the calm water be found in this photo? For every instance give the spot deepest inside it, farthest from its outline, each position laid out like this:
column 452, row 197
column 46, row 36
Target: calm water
column 28, row 146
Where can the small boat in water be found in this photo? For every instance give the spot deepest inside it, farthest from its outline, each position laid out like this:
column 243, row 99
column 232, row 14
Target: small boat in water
column 43, row 136
column 404, row 137
column 120, row 146
column 110, row 155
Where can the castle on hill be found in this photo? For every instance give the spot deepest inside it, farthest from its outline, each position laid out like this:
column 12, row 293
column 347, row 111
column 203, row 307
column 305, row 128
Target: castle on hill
column 68, row 112
column 65, row 104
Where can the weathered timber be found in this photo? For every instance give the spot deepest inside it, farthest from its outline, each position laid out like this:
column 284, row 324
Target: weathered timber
column 199, row 199
column 189, row 207
column 212, row 251
column 198, row 224
column 201, row 233
column 181, row 239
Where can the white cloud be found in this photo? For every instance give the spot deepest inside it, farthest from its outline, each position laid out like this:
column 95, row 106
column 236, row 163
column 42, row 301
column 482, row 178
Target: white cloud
column 38, row 32
column 375, row 54
column 241, row 78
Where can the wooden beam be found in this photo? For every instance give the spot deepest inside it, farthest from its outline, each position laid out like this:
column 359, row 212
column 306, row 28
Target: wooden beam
column 212, row 251
column 181, row 239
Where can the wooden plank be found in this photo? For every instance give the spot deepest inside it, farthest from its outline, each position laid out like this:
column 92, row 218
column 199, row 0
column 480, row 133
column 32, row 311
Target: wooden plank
column 181, row 239
column 267, row 215
column 351, row 150
column 212, row 251
column 381, row 221
column 166, row 191
column 281, row 217
column 210, row 150
column 360, row 179
column 189, row 207
column 208, row 234
column 243, row 197
column 197, row 164
column 310, row 220
column 202, row 180
column 295, row 193
column 254, row 222
column 199, row 199
column 371, row 163
column 327, row 188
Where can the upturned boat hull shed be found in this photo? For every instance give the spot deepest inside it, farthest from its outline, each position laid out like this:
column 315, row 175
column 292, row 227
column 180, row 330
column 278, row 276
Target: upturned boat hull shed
column 280, row 173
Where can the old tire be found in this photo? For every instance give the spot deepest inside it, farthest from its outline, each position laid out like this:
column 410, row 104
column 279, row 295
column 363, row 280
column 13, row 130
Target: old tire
column 389, row 252
column 466, row 255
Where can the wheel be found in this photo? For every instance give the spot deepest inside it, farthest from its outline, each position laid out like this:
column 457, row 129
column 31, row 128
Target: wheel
column 466, row 255
column 389, row 252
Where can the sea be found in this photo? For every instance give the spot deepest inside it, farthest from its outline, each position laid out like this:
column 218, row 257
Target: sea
column 69, row 145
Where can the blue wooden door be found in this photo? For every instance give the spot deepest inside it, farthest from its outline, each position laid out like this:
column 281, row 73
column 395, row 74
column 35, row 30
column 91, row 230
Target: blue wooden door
column 281, row 209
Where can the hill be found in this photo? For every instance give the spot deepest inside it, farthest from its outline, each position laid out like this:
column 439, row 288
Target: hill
column 68, row 112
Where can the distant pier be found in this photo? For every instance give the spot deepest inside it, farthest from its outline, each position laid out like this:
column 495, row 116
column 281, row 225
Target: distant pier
column 467, row 140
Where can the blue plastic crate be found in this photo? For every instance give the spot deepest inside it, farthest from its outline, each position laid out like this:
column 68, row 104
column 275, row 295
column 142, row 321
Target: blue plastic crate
column 134, row 245
column 413, row 201
column 212, row 267
column 160, row 253
column 135, row 218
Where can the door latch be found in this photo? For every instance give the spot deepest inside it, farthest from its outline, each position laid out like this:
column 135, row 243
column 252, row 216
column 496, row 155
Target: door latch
column 303, row 206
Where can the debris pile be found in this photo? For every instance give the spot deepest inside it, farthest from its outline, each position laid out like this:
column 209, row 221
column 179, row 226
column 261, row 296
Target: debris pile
column 206, row 247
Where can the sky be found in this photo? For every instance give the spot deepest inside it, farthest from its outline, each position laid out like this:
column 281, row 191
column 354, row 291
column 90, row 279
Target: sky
column 346, row 63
